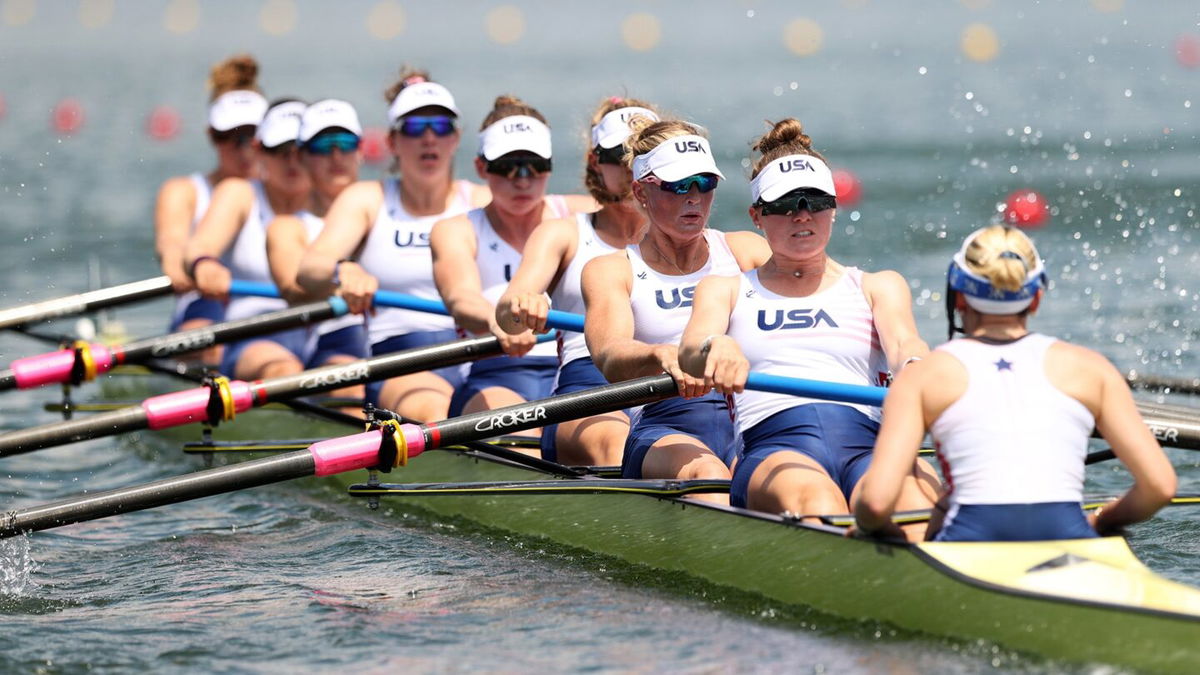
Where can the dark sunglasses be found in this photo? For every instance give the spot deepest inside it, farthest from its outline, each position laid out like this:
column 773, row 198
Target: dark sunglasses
column 285, row 150
column 613, row 155
column 519, row 167
column 324, row 144
column 415, row 126
column 706, row 182
column 240, row 137
column 803, row 199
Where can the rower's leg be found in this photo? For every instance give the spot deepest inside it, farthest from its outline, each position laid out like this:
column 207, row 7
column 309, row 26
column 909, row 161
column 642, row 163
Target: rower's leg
column 210, row 356
column 264, row 359
column 356, row 391
column 683, row 457
column 595, row 441
column 424, row 397
column 794, row 482
column 490, row 398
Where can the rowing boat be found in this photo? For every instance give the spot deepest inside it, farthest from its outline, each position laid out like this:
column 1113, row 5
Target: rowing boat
column 1081, row 601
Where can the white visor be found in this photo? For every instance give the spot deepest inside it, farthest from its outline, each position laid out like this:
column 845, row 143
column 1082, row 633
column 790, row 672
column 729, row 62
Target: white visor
column 420, row 95
column 613, row 128
column 281, row 124
column 512, row 134
column 233, row 109
column 328, row 114
column 789, row 173
column 677, row 158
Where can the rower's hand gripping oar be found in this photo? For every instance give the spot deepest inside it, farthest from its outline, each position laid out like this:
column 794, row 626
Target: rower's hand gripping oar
column 83, row 361
column 85, row 302
column 383, row 448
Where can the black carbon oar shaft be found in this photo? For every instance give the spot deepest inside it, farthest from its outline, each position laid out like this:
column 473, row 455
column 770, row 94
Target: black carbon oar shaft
column 167, row 491
column 85, row 302
column 112, row 423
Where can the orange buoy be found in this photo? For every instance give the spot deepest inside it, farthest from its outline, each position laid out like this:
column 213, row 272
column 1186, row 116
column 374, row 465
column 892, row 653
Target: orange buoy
column 374, row 145
column 1026, row 208
column 163, row 123
column 848, row 186
column 67, row 116
column 1187, row 50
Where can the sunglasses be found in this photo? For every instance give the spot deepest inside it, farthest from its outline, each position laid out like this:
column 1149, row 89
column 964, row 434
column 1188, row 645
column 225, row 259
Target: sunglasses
column 415, row 126
column 706, row 182
column 284, row 150
column 613, row 155
column 240, row 138
column 324, row 144
column 803, row 199
column 519, row 167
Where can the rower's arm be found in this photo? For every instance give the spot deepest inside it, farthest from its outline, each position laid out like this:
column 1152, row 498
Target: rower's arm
column 749, row 249
column 547, row 252
column 705, row 350
column 891, row 310
column 608, row 323
column 227, row 213
column 286, row 241
column 453, row 247
column 347, row 223
column 172, row 225
column 896, row 447
column 1120, row 423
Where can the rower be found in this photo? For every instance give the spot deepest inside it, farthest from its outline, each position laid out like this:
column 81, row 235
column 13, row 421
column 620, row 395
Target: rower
column 329, row 140
column 553, row 262
column 638, row 302
column 1011, row 412
column 235, row 109
column 801, row 314
column 475, row 254
column 230, row 242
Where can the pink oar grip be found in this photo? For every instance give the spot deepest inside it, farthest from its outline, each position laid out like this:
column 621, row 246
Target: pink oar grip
column 55, row 367
column 347, row 453
column 186, row 407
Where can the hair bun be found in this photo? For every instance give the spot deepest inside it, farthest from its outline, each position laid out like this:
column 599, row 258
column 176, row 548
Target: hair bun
column 233, row 74
column 783, row 133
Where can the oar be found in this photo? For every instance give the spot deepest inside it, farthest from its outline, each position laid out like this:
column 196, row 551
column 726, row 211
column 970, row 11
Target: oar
column 85, row 361
column 224, row 399
column 338, row 455
column 85, row 302
column 1172, row 385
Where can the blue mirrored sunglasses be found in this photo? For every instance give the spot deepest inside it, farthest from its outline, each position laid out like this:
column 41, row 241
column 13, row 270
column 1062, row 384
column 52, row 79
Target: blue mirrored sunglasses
column 706, row 182
column 325, row 144
column 414, row 126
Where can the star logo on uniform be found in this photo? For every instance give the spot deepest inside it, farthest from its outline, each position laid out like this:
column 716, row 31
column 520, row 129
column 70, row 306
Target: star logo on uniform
column 495, row 246
column 1003, row 365
column 641, row 275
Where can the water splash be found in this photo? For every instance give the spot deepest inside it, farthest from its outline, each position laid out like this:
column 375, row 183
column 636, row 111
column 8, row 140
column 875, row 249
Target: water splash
column 17, row 567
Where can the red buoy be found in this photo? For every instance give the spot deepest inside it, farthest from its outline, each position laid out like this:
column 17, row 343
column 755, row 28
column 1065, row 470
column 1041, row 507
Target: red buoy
column 163, row 123
column 1026, row 208
column 3, row 107
column 1187, row 50
column 67, row 116
column 848, row 186
column 374, row 145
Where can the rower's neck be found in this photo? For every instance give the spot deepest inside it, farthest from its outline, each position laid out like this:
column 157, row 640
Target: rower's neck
column 513, row 228
column 799, row 278
column 318, row 205
column 1001, row 328
column 671, row 257
column 619, row 224
column 425, row 197
column 285, row 202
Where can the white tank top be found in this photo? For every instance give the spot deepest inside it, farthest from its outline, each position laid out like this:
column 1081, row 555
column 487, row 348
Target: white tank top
column 312, row 226
column 1012, row 437
column 497, row 260
column 568, row 294
column 396, row 252
column 827, row 336
column 247, row 259
column 662, row 303
column 203, row 198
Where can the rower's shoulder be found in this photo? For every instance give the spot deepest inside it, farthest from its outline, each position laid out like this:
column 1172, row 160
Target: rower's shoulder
column 750, row 248
column 363, row 192
column 177, row 186
column 233, row 188
column 602, row 266
column 1072, row 358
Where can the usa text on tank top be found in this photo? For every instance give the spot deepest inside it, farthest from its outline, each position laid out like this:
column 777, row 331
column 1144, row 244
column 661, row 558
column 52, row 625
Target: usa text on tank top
column 1012, row 437
column 662, row 303
column 567, row 295
column 247, row 258
column 396, row 252
column 828, row 336
column 497, row 260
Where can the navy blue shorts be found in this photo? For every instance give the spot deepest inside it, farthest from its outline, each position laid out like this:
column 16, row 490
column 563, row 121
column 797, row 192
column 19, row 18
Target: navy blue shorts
column 838, row 437
column 707, row 419
column 346, row 341
column 575, row 376
column 1016, row 522
column 531, row 377
column 200, row 308
column 297, row 341
column 455, row 375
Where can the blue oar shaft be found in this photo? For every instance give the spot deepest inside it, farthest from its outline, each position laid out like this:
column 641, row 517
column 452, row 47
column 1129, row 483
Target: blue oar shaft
column 826, row 391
